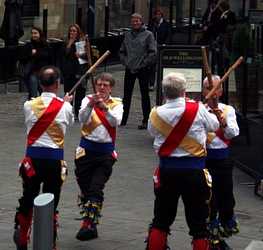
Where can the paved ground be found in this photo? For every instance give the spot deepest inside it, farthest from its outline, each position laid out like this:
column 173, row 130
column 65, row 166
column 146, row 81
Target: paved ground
column 128, row 196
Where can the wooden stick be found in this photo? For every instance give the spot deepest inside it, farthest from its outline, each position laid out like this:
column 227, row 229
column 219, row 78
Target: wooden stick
column 207, row 68
column 226, row 75
column 89, row 71
column 88, row 49
column 214, row 101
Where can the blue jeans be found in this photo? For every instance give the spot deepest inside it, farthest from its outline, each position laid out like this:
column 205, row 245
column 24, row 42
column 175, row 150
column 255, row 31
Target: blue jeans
column 33, row 86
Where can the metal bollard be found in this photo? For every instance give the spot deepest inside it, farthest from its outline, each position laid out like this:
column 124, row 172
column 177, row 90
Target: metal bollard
column 43, row 222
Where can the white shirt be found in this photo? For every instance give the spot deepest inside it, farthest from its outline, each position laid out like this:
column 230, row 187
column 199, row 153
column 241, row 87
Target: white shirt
column 171, row 113
column 230, row 131
column 64, row 118
column 100, row 133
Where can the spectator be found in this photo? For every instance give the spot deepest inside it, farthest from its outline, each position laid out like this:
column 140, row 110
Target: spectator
column 35, row 55
column 137, row 54
column 220, row 21
column 160, row 27
column 70, row 66
column 206, row 19
column 162, row 31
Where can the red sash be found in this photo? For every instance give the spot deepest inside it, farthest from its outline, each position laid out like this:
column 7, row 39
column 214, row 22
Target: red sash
column 220, row 134
column 44, row 121
column 111, row 130
column 180, row 129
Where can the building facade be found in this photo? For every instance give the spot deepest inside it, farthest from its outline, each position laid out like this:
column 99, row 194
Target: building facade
column 90, row 14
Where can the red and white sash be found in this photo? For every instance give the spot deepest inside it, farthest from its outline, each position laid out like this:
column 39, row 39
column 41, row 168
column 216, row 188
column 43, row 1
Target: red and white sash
column 180, row 130
column 44, row 121
column 111, row 130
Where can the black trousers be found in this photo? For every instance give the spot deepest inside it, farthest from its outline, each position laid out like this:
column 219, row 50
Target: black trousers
column 189, row 184
column 152, row 75
column 48, row 173
column 223, row 201
column 129, row 81
column 80, row 93
column 92, row 172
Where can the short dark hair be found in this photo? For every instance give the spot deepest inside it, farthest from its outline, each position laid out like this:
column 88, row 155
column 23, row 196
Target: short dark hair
column 106, row 77
column 49, row 75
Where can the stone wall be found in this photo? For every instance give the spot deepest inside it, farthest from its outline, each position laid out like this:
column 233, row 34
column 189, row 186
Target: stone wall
column 2, row 8
column 61, row 13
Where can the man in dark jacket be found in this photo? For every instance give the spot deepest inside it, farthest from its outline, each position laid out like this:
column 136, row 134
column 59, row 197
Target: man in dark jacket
column 161, row 30
column 221, row 21
column 137, row 53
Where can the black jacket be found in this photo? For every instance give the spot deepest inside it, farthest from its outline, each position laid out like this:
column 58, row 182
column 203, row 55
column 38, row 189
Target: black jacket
column 68, row 62
column 33, row 63
column 161, row 32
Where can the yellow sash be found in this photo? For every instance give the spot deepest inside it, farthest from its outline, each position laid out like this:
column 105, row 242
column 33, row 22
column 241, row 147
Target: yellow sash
column 54, row 131
column 188, row 144
column 95, row 121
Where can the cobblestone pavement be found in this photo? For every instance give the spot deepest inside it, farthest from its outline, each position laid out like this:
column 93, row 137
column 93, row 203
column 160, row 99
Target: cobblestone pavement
column 128, row 195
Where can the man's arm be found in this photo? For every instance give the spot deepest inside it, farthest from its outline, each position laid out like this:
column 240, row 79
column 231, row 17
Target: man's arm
column 123, row 53
column 114, row 116
column 231, row 130
column 85, row 110
column 151, row 51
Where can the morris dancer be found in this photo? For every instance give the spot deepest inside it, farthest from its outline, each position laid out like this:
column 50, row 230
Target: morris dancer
column 46, row 119
column 100, row 114
column 223, row 221
column 179, row 128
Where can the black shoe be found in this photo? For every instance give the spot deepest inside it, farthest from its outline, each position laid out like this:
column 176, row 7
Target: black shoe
column 87, row 231
column 87, row 234
column 143, row 126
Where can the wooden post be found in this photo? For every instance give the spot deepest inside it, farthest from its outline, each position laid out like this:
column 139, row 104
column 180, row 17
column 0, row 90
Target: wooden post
column 191, row 12
column 106, row 18
column 45, row 20
column 43, row 222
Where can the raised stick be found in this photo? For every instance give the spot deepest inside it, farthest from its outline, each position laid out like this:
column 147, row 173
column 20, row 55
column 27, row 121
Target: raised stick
column 226, row 75
column 207, row 68
column 89, row 71
column 214, row 103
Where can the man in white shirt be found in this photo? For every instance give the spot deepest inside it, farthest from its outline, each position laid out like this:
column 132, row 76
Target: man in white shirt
column 100, row 114
column 46, row 119
column 222, row 219
column 179, row 128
